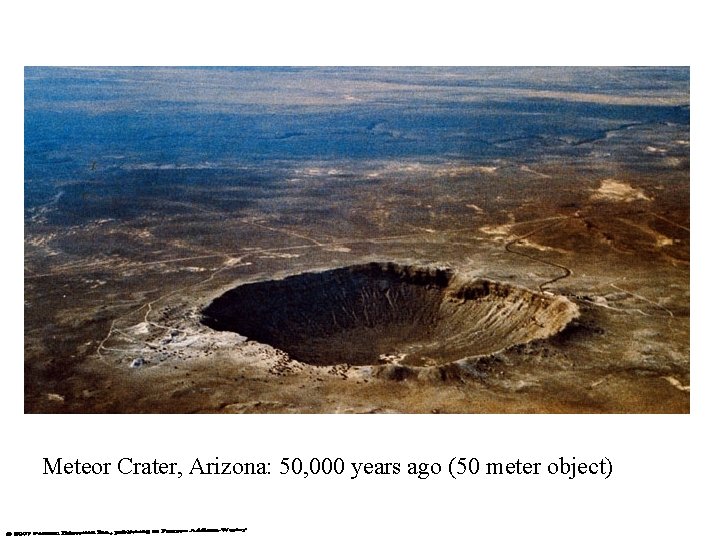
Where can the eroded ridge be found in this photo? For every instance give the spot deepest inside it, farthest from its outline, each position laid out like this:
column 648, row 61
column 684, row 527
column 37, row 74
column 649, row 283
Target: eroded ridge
column 387, row 313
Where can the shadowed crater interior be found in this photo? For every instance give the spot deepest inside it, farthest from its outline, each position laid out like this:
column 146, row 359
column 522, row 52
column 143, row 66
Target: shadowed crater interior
column 387, row 313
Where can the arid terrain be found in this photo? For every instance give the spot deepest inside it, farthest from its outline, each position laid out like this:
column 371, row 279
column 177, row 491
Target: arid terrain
column 319, row 241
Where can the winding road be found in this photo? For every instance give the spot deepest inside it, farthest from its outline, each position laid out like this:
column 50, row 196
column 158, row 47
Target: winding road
column 566, row 271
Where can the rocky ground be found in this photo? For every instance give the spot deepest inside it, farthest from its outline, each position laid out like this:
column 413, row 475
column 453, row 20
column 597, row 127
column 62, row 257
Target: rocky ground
column 114, row 307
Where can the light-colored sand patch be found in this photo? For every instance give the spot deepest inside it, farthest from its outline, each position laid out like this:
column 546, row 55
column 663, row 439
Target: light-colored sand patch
column 656, row 98
column 677, row 384
column 526, row 243
column 139, row 329
column 279, row 256
column 612, row 190
column 197, row 341
column 672, row 161
column 454, row 170
column 236, row 261
column 40, row 240
column 495, row 230
column 527, row 169
column 475, row 207
column 338, row 249
column 660, row 239
column 392, row 358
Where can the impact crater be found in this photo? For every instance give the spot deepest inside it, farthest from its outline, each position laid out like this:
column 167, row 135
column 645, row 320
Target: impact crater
column 381, row 313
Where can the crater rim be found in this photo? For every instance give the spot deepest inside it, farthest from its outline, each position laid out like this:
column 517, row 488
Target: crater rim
column 387, row 313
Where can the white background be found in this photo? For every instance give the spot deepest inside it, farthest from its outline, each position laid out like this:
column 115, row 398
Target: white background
column 665, row 479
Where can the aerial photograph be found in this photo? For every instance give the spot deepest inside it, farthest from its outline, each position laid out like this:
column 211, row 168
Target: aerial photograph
column 357, row 240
